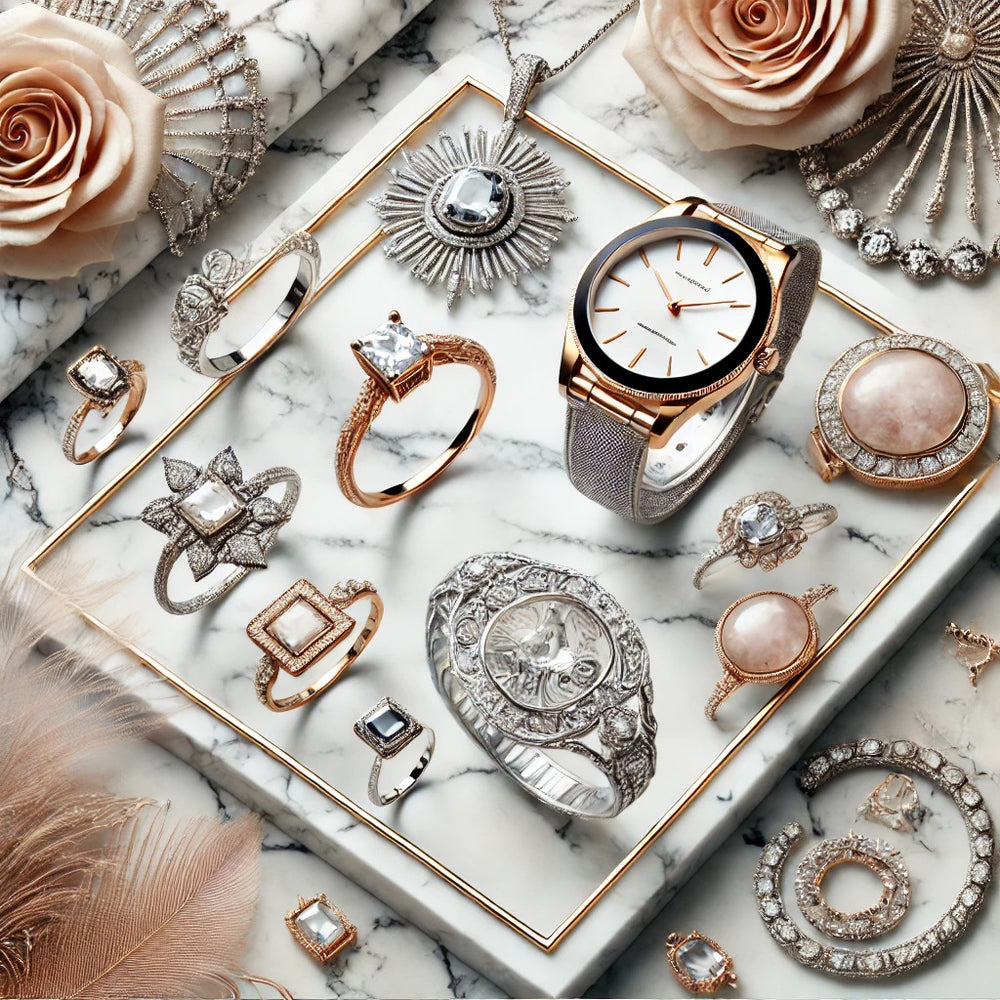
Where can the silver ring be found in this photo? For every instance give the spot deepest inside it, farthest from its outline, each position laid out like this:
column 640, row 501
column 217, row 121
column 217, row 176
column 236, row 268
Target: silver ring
column 216, row 518
column 389, row 729
column 763, row 529
column 203, row 302
column 541, row 664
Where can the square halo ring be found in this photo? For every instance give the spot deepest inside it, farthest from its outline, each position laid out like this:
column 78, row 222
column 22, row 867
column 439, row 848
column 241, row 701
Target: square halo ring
column 99, row 376
column 299, row 627
column 388, row 728
column 320, row 927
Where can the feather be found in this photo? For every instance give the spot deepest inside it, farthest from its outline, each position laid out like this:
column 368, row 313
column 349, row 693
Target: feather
column 167, row 917
column 100, row 896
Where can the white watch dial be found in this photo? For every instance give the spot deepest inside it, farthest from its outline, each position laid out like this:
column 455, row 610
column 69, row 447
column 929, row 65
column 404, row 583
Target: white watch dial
column 674, row 306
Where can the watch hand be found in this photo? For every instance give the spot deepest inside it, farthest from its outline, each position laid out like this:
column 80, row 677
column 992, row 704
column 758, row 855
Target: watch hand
column 680, row 304
column 671, row 305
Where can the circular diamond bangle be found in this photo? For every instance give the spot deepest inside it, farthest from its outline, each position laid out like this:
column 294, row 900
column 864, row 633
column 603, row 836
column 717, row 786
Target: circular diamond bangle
column 550, row 675
column 216, row 518
column 767, row 637
column 203, row 302
column 763, row 529
column 300, row 627
column 104, row 381
column 938, row 399
column 878, row 857
column 389, row 729
column 397, row 362
column 895, row 755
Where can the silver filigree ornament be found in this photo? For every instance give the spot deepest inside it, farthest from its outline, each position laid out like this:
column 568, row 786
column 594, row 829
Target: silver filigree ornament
column 471, row 211
column 946, row 83
column 215, row 132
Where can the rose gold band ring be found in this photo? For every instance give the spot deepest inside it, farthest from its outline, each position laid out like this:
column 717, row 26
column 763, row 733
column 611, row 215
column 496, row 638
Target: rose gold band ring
column 299, row 628
column 104, row 381
column 397, row 362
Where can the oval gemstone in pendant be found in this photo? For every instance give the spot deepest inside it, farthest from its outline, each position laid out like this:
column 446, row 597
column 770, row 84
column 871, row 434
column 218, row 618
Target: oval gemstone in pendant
column 473, row 198
column 903, row 402
column 765, row 633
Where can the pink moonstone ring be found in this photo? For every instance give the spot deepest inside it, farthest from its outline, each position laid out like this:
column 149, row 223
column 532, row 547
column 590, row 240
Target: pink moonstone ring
column 901, row 412
column 763, row 529
column 765, row 638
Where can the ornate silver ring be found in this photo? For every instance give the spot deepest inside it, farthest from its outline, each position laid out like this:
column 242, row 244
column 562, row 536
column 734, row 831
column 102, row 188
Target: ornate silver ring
column 215, row 518
column 203, row 302
column 763, row 529
column 550, row 674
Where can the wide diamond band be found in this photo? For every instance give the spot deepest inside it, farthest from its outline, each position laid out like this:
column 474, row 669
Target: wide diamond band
column 539, row 662
column 203, row 302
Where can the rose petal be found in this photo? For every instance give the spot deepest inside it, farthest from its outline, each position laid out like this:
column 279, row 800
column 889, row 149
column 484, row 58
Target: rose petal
column 61, row 255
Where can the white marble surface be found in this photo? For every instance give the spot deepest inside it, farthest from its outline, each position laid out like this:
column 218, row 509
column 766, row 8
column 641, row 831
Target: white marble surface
column 305, row 49
column 31, row 436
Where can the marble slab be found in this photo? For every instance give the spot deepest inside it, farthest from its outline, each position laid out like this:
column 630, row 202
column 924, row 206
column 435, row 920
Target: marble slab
column 509, row 492
column 305, row 49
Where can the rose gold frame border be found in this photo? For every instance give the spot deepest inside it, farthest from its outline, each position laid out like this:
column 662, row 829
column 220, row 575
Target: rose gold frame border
column 547, row 941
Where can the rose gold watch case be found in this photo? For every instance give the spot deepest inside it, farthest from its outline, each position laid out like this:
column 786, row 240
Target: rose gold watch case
column 652, row 409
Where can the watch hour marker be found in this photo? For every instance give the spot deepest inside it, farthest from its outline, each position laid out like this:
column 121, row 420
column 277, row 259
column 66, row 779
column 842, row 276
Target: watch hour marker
column 614, row 337
column 704, row 361
column 606, row 309
column 679, row 244
column 711, row 253
column 670, row 365
column 635, row 360
column 621, row 281
column 732, row 277
column 643, row 257
column 740, row 305
column 726, row 335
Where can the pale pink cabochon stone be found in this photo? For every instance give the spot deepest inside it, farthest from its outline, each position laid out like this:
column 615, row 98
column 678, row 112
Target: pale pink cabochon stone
column 902, row 402
column 765, row 633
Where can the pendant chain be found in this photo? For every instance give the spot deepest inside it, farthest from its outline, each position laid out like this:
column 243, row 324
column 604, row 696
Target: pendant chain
column 503, row 26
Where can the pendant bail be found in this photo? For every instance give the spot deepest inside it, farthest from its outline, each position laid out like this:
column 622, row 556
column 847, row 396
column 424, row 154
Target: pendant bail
column 529, row 71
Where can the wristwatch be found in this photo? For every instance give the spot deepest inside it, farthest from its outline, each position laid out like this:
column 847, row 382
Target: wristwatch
column 678, row 336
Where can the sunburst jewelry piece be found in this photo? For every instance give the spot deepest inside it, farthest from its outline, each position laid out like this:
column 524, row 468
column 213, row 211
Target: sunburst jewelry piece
column 946, row 89
column 471, row 211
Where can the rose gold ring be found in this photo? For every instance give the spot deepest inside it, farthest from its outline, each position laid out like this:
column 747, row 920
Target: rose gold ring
column 397, row 362
column 765, row 638
column 969, row 642
column 299, row 628
column 321, row 928
column 104, row 381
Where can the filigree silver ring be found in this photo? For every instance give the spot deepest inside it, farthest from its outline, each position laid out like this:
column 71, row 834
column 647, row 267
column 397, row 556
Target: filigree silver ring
column 550, row 674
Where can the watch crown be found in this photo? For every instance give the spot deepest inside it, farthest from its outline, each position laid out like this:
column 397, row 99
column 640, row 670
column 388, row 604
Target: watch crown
column 828, row 465
column 767, row 360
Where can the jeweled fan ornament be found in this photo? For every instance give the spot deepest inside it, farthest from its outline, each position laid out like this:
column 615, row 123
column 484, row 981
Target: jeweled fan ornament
column 215, row 132
column 946, row 86
column 468, row 212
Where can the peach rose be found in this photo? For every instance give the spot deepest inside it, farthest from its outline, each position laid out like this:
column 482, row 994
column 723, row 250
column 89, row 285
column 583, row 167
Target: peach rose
column 780, row 73
column 80, row 142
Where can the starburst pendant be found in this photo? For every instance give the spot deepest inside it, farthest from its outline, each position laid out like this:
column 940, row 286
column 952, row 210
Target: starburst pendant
column 466, row 213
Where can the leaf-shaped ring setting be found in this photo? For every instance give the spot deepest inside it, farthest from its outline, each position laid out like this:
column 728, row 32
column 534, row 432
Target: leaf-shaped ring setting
column 763, row 529
column 217, row 518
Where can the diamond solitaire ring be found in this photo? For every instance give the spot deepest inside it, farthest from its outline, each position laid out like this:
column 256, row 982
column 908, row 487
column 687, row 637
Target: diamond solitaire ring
column 765, row 638
column 216, row 517
column 901, row 412
column 763, row 529
column 397, row 362
column 550, row 674
column 389, row 729
column 699, row 964
column 203, row 302
column 300, row 628
column 321, row 928
column 103, row 381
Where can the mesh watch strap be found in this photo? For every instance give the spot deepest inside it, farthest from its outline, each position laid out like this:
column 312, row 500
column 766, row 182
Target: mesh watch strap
column 607, row 459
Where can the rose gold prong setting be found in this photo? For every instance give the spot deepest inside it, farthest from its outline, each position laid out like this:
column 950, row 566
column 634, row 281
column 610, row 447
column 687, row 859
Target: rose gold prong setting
column 320, row 927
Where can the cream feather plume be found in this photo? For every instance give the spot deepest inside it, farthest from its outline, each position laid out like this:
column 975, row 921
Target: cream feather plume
column 100, row 896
